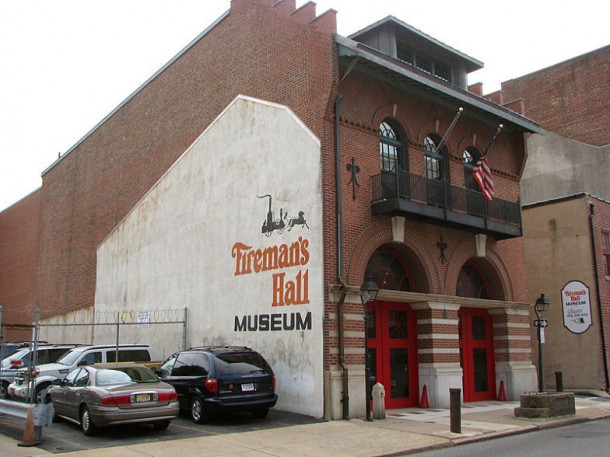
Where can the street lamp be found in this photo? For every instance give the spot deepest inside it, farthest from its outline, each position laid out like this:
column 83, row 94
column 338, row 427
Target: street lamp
column 541, row 306
column 368, row 292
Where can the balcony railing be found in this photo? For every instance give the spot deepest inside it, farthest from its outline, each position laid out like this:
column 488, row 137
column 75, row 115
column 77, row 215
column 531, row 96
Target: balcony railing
column 411, row 195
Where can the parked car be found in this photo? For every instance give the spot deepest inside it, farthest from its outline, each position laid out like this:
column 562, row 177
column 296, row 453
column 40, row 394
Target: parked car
column 25, row 357
column 11, row 347
column 45, row 374
column 213, row 380
column 110, row 394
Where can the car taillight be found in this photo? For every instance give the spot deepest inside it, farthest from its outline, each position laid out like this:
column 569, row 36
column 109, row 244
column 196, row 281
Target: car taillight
column 115, row 400
column 168, row 396
column 212, row 385
column 273, row 382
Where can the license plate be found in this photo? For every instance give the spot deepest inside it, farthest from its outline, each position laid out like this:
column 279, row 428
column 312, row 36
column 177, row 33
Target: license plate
column 141, row 398
column 247, row 387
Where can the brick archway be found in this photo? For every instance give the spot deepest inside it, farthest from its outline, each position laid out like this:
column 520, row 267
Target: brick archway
column 420, row 261
column 492, row 265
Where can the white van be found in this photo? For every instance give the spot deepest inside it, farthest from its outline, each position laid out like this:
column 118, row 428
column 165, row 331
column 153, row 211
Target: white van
column 82, row 355
column 23, row 358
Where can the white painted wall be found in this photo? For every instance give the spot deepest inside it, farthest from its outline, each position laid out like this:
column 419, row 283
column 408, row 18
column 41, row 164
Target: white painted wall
column 176, row 247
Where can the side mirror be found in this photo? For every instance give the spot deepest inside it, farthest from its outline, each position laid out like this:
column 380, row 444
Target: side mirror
column 56, row 382
column 162, row 373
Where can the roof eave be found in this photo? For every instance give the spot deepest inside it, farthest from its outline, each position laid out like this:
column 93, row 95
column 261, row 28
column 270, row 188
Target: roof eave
column 348, row 47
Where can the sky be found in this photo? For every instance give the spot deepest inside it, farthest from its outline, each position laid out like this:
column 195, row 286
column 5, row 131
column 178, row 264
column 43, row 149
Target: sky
column 66, row 64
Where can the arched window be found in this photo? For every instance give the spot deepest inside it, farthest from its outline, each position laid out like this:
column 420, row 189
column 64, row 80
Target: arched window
column 388, row 271
column 471, row 283
column 435, row 163
column 391, row 147
column 470, row 157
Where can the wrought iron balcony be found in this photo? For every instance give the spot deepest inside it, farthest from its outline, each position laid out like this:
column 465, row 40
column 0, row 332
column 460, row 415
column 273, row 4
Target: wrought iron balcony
column 436, row 201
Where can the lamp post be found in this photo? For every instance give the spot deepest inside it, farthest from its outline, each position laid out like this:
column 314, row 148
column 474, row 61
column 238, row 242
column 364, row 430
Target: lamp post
column 542, row 305
column 368, row 292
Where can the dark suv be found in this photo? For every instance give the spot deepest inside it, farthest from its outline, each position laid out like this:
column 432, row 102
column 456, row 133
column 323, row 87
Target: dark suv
column 214, row 380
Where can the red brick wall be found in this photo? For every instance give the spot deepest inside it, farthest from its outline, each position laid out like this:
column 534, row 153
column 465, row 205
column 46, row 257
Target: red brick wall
column 362, row 109
column 18, row 257
column 364, row 105
column 571, row 98
column 257, row 50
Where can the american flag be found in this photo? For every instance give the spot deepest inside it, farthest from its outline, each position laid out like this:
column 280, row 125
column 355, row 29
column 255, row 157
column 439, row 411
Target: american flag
column 481, row 171
column 482, row 175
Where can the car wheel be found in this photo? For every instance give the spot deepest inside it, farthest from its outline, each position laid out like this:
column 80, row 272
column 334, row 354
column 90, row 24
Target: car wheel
column 86, row 424
column 41, row 393
column 3, row 389
column 260, row 413
column 198, row 413
column 161, row 425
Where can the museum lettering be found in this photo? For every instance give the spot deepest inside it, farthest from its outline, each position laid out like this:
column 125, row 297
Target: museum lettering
column 272, row 322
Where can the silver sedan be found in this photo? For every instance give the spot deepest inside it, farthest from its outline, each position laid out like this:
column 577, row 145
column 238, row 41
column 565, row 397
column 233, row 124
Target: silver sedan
column 109, row 394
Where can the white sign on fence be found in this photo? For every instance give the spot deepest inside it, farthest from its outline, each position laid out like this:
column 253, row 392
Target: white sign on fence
column 143, row 318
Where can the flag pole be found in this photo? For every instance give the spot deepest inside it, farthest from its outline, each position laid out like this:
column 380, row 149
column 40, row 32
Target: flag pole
column 500, row 127
column 441, row 143
column 498, row 131
column 482, row 171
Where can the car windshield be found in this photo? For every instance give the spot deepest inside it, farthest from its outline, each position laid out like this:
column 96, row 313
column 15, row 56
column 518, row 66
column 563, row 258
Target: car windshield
column 240, row 364
column 69, row 358
column 6, row 362
column 8, row 351
column 124, row 375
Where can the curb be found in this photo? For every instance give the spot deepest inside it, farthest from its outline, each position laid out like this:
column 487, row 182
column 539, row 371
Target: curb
column 451, row 442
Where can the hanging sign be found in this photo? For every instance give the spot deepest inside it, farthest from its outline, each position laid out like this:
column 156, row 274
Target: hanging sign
column 576, row 303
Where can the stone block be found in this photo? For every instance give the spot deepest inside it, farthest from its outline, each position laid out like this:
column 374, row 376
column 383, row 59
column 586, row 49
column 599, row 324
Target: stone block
column 545, row 404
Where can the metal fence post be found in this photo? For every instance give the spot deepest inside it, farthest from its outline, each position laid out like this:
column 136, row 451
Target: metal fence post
column 34, row 355
column 184, row 329
column 116, row 349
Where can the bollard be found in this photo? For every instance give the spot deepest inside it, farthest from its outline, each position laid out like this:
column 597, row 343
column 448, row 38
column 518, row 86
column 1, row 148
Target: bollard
column 455, row 410
column 378, row 401
column 559, row 381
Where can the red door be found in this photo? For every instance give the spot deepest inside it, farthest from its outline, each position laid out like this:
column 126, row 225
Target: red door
column 392, row 355
column 477, row 355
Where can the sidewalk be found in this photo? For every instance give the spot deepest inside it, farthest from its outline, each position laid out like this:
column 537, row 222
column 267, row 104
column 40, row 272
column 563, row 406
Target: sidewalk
column 403, row 431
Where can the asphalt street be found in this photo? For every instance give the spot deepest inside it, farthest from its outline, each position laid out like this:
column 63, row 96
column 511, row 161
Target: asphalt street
column 65, row 436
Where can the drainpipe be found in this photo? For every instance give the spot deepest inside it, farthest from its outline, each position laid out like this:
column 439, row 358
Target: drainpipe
column 597, row 292
column 338, row 185
column 344, row 378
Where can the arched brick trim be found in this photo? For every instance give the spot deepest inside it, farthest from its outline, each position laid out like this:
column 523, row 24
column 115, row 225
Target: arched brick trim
column 420, row 262
column 387, row 112
column 492, row 266
column 425, row 129
column 464, row 143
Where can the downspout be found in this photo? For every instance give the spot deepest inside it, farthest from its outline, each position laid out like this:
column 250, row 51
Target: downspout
column 598, row 294
column 344, row 375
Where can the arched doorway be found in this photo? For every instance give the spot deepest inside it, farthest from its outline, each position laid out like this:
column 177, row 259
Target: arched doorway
column 476, row 338
column 392, row 332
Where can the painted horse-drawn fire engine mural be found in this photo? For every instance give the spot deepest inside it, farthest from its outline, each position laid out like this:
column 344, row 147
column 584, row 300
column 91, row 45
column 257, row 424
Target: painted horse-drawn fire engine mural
column 270, row 224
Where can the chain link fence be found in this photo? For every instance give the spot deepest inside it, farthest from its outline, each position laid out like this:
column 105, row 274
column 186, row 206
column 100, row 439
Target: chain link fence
column 164, row 330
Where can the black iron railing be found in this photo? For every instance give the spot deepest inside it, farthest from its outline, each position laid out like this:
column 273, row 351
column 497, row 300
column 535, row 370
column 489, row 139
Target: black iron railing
column 431, row 192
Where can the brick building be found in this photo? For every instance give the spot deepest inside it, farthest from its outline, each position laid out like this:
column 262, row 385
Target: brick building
column 569, row 98
column 565, row 192
column 341, row 146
